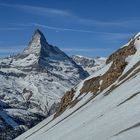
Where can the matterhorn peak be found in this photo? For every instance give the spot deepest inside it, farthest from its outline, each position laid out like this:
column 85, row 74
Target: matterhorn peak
column 43, row 52
column 38, row 33
column 37, row 41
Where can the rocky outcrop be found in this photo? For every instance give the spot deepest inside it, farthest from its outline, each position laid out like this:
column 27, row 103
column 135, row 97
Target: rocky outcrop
column 91, row 85
column 65, row 102
column 27, row 94
column 114, row 72
column 9, row 133
column 89, row 64
column 97, row 84
column 34, row 47
column 84, row 61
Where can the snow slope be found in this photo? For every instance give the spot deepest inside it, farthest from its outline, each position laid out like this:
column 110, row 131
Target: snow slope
column 111, row 113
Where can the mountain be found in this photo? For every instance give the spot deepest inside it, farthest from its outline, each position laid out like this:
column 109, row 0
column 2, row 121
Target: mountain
column 33, row 82
column 14, row 122
column 105, row 106
column 89, row 64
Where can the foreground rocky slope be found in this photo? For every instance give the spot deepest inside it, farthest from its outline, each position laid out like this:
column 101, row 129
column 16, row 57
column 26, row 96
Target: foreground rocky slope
column 33, row 82
column 105, row 106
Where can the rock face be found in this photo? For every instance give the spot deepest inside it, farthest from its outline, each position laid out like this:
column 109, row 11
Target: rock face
column 105, row 106
column 97, row 84
column 36, row 44
column 89, row 64
column 34, row 81
column 14, row 122
column 65, row 102
column 115, row 71
column 84, row 61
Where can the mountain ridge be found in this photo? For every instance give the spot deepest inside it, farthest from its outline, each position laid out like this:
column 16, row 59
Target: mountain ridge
column 89, row 64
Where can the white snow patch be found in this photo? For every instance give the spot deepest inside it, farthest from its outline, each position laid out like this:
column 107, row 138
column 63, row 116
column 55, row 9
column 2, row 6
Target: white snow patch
column 133, row 59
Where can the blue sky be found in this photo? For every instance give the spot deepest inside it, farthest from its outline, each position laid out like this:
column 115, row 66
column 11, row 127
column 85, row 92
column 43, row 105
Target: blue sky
column 85, row 27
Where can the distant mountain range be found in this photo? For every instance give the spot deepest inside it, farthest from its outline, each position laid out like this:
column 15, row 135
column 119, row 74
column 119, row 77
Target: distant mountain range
column 89, row 64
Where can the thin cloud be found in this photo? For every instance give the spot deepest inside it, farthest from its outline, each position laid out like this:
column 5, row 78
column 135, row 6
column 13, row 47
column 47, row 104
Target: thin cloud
column 52, row 12
column 104, row 35
column 114, row 37
column 108, row 36
column 62, row 29
column 118, row 23
column 68, row 16
column 38, row 10
column 11, row 28
column 14, row 49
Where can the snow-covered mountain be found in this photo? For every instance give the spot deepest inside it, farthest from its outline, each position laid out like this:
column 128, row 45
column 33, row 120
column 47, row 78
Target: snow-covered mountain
column 15, row 121
column 105, row 106
column 89, row 64
column 33, row 82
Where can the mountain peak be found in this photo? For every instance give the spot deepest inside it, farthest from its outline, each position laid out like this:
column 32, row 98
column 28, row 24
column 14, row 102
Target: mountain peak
column 37, row 41
column 39, row 33
column 43, row 51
